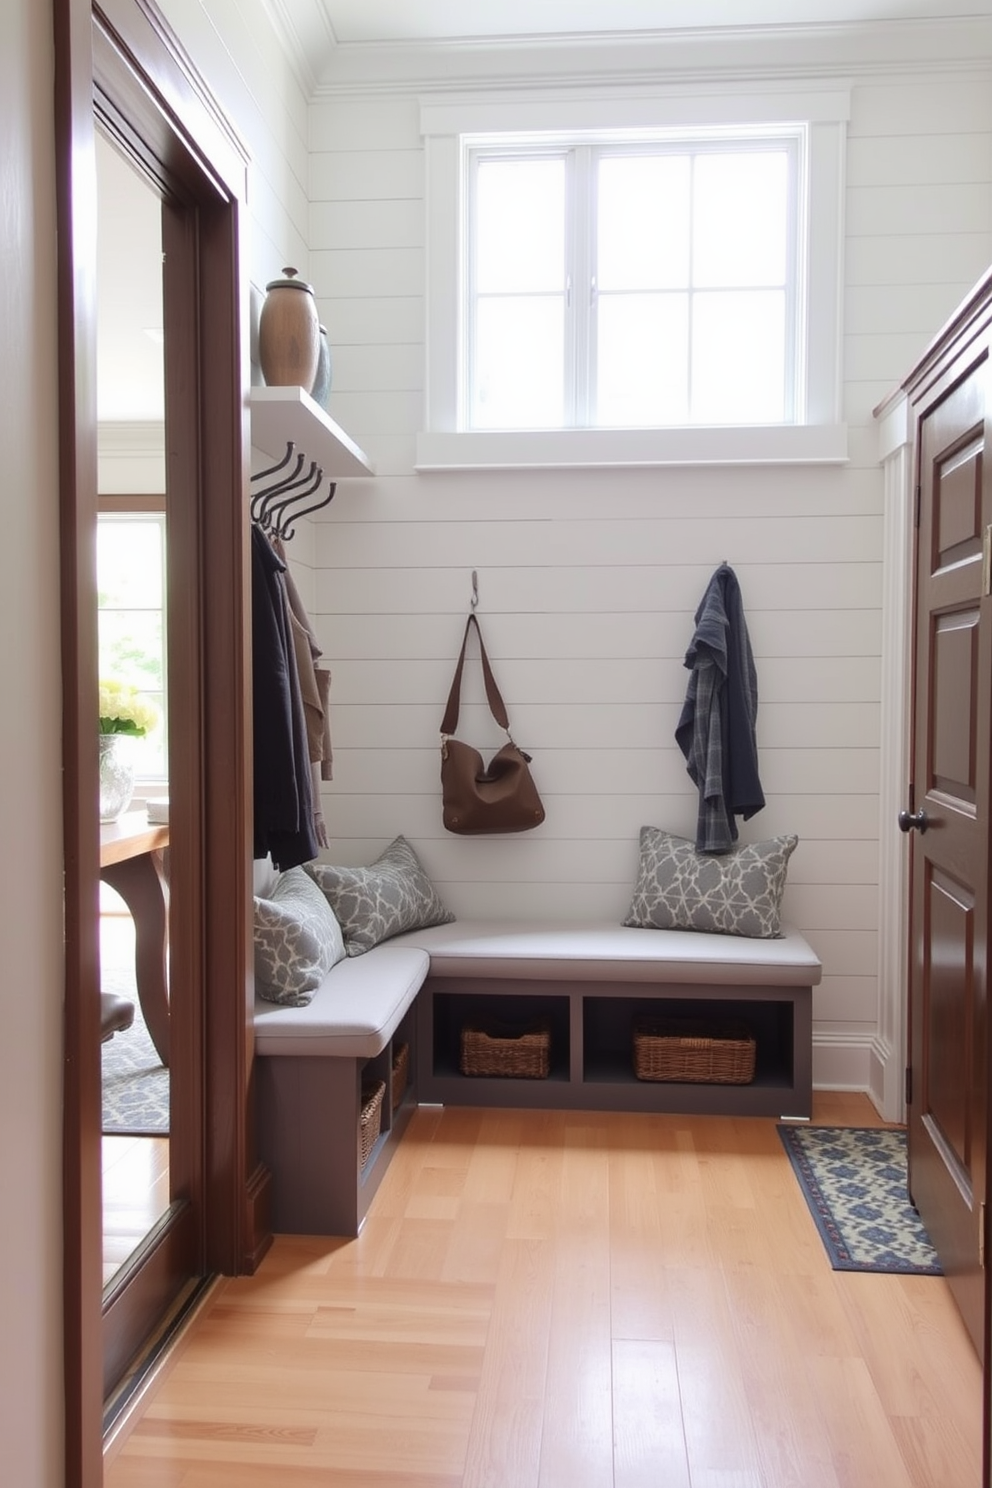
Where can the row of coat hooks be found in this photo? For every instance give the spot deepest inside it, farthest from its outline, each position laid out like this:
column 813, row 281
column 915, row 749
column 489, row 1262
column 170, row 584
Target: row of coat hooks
column 275, row 508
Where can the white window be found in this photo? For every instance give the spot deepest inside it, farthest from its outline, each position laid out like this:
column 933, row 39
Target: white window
column 666, row 291
column 633, row 286
column 131, row 599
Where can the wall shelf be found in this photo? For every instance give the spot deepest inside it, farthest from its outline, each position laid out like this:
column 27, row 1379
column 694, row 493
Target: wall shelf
column 281, row 414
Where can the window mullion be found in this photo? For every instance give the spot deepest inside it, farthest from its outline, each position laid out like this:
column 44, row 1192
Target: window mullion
column 581, row 233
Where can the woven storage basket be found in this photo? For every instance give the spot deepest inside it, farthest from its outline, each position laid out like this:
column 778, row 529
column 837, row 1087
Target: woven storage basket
column 687, row 1050
column 498, row 1050
column 401, row 1069
column 370, row 1120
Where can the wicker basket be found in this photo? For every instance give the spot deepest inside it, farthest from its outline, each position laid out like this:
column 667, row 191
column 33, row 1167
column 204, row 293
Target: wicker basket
column 524, row 1054
column 401, row 1070
column 370, row 1119
column 694, row 1051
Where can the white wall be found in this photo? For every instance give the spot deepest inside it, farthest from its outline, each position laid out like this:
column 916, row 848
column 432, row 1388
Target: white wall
column 589, row 580
column 30, row 875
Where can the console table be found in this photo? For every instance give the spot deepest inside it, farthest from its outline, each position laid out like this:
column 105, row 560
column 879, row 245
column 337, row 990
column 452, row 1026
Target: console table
column 131, row 862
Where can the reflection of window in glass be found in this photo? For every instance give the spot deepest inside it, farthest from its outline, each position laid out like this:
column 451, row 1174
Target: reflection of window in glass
column 131, row 584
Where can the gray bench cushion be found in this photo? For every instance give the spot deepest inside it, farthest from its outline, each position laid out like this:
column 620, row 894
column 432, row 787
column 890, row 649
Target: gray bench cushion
column 355, row 1010
column 614, row 953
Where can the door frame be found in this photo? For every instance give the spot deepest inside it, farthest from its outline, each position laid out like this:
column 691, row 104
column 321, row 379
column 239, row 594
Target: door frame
column 122, row 53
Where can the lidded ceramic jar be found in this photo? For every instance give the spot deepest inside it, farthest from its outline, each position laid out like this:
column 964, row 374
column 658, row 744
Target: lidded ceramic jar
column 289, row 333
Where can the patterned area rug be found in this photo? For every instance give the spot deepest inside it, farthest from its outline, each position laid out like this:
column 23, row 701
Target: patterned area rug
column 854, row 1181
column 135, row 1082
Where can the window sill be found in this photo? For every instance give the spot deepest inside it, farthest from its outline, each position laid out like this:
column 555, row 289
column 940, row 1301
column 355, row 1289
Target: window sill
column 564, row 449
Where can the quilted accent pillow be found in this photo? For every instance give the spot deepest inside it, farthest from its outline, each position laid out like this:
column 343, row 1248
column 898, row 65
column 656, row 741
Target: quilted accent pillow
column 735, row 893
column 297, row 940
column 373, row 904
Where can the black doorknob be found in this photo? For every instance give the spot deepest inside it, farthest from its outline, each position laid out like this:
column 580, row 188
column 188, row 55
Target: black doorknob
column 913, row 820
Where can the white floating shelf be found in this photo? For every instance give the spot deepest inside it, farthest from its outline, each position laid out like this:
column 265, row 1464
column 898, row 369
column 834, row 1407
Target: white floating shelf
column 281, row 414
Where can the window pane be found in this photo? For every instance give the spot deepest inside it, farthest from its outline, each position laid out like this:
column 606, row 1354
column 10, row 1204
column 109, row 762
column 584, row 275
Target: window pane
column 130, row 582
column 131, row 647
column 738, row 358
column 520, row 226
column 129, row 562
column 519, row 364
column 643, row 222
column 740, row 219
column 642, row 365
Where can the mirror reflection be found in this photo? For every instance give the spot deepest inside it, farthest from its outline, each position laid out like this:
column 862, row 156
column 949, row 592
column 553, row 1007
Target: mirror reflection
column 134, row 831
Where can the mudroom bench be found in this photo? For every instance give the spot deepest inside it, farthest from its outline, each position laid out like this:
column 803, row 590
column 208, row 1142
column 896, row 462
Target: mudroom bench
column 585, row 984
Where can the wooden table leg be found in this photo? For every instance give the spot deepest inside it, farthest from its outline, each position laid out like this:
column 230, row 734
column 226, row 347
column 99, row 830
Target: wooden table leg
column 143, row 887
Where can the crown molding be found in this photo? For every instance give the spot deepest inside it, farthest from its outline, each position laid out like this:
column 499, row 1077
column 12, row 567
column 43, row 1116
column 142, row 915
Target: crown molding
column 660, row 58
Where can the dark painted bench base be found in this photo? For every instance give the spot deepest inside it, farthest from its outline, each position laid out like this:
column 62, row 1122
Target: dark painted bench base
column 308, row 1112
column 592, row 1050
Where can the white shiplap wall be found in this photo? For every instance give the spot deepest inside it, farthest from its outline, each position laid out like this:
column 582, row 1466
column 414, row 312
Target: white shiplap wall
column 240, row 55
column 589, row 580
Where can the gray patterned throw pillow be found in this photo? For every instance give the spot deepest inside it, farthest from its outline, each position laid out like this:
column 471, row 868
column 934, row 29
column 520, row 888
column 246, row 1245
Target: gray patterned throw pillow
column 735, row 893
column 297, row 940
column 373, row 904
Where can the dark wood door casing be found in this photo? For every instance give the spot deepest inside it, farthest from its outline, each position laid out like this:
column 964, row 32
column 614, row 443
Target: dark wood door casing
column 122, row 59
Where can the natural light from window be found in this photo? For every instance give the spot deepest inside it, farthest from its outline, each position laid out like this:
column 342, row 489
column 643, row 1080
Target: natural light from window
column 632, row 287
column 624, row 278
column 131, row 589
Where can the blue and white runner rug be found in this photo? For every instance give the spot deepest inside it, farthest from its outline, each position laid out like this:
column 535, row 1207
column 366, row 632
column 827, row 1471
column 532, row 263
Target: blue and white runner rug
column 854, row 1180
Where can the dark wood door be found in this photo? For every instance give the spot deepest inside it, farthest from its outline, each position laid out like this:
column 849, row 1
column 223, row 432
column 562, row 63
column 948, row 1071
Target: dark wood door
column 948, row 816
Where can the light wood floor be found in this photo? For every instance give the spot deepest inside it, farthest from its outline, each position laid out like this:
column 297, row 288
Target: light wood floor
column 565, row 1300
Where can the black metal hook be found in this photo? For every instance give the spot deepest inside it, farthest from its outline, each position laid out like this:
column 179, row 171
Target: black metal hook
column 287, row 532
column 261, row 474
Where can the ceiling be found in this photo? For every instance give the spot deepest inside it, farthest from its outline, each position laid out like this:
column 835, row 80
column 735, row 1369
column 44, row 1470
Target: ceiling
column 399, row 22
column 130, row 384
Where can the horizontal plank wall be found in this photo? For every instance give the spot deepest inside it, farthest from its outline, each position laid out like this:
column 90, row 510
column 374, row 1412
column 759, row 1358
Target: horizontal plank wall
column 589, row 580
column 240, row 55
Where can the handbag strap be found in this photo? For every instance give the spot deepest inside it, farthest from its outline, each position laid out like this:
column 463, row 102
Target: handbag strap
column 496, row 706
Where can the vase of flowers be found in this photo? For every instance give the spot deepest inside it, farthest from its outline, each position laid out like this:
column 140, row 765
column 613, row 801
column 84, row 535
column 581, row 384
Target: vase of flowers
column 124, row 716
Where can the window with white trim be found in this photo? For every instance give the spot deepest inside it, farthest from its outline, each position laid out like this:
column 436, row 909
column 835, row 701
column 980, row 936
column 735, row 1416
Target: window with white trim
column 667, row 291
column 633, row 285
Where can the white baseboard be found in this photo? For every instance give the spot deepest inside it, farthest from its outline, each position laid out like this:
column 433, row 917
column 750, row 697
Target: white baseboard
column 862, row 1062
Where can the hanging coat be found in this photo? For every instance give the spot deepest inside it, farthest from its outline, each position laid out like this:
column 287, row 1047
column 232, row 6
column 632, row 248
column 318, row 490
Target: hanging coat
column 283, row 792
column 717, row 728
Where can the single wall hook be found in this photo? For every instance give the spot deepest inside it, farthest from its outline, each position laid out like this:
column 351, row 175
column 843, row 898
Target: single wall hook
column 475, row 590
column 271, row 469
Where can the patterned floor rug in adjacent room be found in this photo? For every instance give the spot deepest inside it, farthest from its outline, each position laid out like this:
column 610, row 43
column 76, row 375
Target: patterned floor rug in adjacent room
column 854, row 1181
column 135, row 1081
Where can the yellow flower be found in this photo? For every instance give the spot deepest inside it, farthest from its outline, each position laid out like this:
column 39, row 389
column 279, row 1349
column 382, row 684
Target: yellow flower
column 124, row 711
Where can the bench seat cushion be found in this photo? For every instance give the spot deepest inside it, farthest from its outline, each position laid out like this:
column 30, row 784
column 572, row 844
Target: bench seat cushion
column 353, row 1013
column 613, row 953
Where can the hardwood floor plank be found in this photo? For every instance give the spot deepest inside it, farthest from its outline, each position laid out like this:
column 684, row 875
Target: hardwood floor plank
column 504, row 1442
column 793, row 1446
column 864, row 1446
column 719, row 1431
column 577, row 1433
column 648, row 1439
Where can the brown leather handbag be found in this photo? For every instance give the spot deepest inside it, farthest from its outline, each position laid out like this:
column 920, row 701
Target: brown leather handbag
column 476, row 797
